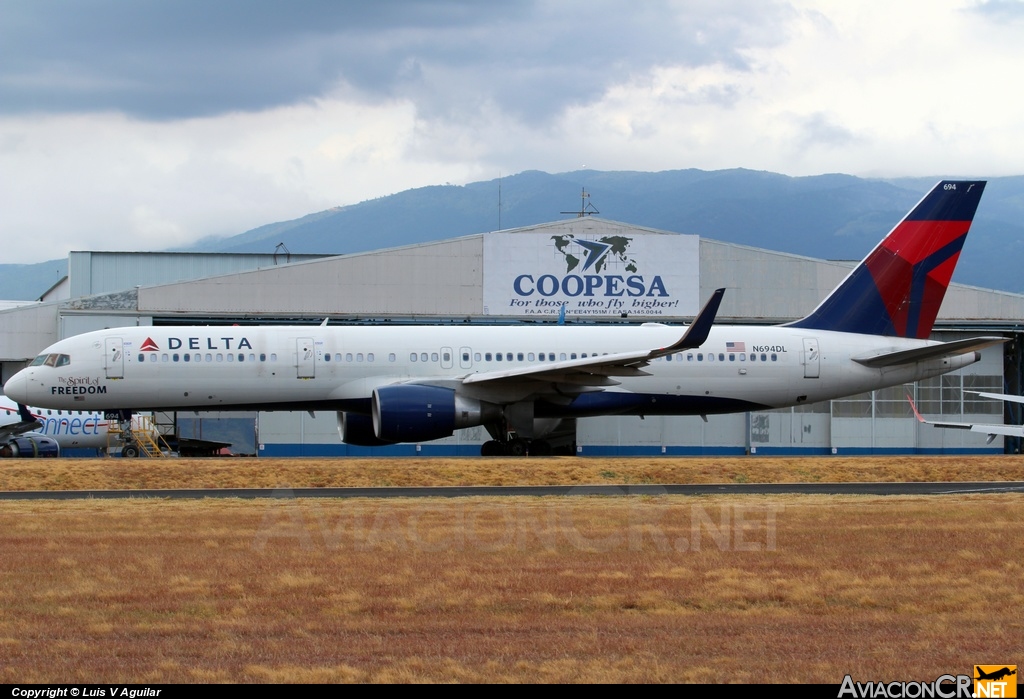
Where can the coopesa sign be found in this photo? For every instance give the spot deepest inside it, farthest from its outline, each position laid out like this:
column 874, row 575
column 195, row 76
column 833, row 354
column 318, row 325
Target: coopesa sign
column 573, row 285
column 591, row 269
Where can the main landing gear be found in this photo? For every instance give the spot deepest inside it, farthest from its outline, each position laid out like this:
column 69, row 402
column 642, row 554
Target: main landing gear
column 516, row 446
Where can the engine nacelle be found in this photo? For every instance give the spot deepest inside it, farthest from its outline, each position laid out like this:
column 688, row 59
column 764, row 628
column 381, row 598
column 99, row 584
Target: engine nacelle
column 412, row 413
column 30, row 447
column 357, row 429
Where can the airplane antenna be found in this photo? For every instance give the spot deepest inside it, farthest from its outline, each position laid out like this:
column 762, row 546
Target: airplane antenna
column 282, row 249
column 586, row 208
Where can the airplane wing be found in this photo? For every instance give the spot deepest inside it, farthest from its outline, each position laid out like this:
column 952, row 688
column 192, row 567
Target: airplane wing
column 28, row 423
column 992, row 431
column 597, row 371
column 917, row 354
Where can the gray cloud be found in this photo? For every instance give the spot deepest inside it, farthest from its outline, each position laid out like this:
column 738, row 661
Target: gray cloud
column 160, row 61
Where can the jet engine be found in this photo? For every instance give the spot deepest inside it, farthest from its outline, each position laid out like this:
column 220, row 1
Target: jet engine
column 357, row 429
column 28, row 446
column 413, row 413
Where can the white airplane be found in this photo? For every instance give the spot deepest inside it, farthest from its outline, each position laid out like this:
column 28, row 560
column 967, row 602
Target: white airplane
column 33, row 432
column 991, row 430
column 393, row 384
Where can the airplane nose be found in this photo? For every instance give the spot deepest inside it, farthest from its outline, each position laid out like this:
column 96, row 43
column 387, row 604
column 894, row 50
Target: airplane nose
column 16, row 388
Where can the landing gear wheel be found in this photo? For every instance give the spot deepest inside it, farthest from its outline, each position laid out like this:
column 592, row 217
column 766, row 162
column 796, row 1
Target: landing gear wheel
column 518, row 447
column 492, row 448
column 540, row 447
column 130, row 451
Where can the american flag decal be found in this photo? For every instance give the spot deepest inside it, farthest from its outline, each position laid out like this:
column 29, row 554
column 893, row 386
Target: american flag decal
column 736, row 346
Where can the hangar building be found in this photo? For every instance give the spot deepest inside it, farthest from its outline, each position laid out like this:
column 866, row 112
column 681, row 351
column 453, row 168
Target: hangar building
column 602, row 271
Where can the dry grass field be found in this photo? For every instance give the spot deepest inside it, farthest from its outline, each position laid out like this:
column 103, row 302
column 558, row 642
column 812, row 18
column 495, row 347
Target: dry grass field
column 581, row 589
column 119, row 474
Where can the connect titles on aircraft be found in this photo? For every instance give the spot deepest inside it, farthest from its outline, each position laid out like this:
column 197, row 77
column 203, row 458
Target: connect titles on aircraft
column 393, row 384
column 33, row 432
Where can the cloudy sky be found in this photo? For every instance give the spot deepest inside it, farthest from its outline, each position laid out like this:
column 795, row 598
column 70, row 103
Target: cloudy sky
column 147, row 125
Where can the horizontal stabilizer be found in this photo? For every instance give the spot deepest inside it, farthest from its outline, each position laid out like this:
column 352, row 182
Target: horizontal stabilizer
column 998, row 396
column 919, row 354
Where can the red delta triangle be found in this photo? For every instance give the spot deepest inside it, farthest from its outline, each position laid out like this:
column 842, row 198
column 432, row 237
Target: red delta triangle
column 149, row 346
column 916, row 240
column 892, row 276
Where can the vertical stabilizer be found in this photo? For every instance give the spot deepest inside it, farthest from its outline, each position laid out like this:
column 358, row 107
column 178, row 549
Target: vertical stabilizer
column 898, row 288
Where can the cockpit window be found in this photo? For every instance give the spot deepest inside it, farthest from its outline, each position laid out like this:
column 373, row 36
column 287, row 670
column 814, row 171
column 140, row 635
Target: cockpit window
column 51, row 360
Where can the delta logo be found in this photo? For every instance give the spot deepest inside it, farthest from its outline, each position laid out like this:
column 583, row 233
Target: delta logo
column 149, row 346
column 995, row 681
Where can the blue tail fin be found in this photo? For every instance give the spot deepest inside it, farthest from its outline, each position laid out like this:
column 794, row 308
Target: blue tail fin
column 898, row 288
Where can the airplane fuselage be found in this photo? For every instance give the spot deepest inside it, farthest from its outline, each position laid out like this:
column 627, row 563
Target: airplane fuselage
column 337, row 367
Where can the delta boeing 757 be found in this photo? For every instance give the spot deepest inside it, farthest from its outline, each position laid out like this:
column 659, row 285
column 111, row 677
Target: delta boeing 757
column 393, row 384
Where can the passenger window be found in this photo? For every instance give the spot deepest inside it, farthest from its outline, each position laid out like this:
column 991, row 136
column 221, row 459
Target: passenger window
column 413, row 356
column 423, row 356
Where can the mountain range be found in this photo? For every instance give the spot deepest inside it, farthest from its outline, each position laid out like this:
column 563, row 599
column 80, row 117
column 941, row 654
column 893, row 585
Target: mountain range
column 827, row 216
